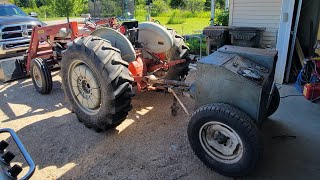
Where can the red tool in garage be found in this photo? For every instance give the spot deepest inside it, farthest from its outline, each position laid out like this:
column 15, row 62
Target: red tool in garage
column 312, row 90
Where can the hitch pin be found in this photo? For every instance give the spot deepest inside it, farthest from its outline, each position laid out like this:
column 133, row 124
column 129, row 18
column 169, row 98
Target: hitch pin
column 178, row 99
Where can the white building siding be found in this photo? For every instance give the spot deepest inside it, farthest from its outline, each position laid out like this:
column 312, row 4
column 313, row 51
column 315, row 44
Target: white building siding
column 257, row 13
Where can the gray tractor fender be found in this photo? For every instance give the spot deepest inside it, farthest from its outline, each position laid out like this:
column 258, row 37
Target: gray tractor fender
column 154, row 37
column 118, row 41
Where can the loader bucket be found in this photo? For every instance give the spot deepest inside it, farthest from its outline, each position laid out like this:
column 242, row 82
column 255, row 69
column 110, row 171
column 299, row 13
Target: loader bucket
column 12, row 68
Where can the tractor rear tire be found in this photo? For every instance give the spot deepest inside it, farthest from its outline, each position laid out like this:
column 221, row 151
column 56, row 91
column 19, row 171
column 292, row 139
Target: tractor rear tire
column 178, row 51
column 97, row 83
column 275, row 102
column 41, row 76
column 225, row 139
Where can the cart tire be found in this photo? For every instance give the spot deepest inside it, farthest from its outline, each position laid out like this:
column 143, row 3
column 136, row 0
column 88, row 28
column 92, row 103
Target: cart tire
column 225, row 139
column 41, row 76
column 97, row 83
column 275, row 102
column 178, row 51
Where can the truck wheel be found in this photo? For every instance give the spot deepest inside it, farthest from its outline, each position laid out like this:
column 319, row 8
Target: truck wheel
column 97, row 83
column 178, row 51
column 225, row 139
column 41, row 76
column 275, row 102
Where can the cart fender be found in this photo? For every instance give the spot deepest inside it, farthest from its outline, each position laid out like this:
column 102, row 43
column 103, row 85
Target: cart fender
column 118, row 41
column 154, row 37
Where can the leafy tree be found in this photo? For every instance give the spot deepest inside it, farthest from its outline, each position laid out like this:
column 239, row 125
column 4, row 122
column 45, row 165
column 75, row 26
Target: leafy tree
column 42, row 2
column 223, row 18
column 111, row 8
column 32, row 4
column 63, row 7
column 140, row 2
column 80, row 7
column 207, row 5
column 177, row 4
column 195, row 5
column 158, row 7
column 220, row 4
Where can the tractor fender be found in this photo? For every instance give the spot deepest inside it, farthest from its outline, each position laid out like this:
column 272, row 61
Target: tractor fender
column 118, row 41
column 154, row 37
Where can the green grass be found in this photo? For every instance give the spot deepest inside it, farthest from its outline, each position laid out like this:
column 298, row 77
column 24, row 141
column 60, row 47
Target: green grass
column 55, row 18
column 190, row 26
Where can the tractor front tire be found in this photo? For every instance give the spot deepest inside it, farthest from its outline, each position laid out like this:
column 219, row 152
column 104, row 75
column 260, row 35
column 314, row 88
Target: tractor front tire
column 97, row 83
column 225, row 139
column 41, row 76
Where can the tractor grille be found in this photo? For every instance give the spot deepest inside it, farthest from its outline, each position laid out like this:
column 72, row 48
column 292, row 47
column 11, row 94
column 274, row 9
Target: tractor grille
column 11, row 32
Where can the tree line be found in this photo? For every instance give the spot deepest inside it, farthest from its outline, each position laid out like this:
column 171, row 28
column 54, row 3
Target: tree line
column 60, row 8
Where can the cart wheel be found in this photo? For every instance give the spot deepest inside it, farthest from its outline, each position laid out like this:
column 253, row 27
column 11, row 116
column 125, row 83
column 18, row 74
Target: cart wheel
column 275, row 102
column 41, row 76
column 225, row 139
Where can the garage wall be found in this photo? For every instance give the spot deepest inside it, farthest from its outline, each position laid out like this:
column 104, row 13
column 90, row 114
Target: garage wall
column 257, row 13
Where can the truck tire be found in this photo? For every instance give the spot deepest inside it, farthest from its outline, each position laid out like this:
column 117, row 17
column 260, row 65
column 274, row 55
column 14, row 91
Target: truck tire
column 96, row 82
column 178, row 51
column 225, row 139
column 41, row 76
column 275, row 102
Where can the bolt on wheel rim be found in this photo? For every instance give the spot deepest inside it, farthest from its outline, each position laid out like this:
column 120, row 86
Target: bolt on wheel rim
column 85, row 87
column 37, row 76
column 221, row 142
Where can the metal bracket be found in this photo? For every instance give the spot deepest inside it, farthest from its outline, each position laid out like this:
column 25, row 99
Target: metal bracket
column 24, row 152
column 180, row 102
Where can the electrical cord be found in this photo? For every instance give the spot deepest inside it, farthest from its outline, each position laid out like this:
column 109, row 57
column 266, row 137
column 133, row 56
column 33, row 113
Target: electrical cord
column 294, row 95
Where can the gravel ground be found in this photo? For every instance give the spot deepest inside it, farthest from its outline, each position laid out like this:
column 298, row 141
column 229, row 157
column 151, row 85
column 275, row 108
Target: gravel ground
column 149, row 144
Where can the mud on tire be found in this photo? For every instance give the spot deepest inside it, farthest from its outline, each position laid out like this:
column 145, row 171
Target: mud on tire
column 96, row 82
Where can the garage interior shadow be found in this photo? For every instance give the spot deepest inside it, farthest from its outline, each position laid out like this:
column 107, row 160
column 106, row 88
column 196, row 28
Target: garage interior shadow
column 150, row 143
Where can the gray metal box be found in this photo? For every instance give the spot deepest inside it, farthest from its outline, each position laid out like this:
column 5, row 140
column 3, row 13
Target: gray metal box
column 239, row 76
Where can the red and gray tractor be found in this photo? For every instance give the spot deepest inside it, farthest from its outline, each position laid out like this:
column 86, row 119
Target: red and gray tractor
column 234, row 89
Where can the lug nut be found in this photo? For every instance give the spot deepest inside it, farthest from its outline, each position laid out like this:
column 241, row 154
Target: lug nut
column 3, row 146
column 15, row 171
column 7, row 158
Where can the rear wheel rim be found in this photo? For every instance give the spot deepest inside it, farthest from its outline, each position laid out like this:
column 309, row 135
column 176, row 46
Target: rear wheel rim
column 84, row 87
column 37, row 76
column 221, row 142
